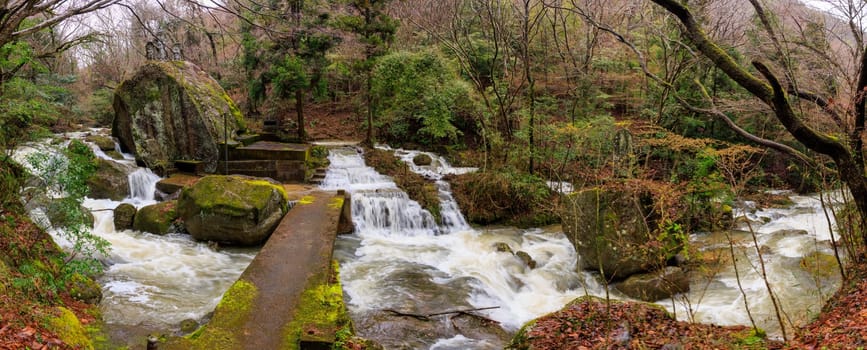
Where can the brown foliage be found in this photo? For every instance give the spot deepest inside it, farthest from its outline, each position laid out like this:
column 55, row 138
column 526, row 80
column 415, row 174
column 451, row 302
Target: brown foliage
column 590, row 323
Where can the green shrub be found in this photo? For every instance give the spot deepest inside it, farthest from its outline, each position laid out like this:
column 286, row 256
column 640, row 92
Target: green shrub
column 419, row 98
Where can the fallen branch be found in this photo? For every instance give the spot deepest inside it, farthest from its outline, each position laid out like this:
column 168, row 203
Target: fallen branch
column 427, row 317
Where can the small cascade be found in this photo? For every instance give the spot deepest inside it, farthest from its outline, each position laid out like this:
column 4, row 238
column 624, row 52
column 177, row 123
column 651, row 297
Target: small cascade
column 452, row 219
column 378, row 206
column 143, row 184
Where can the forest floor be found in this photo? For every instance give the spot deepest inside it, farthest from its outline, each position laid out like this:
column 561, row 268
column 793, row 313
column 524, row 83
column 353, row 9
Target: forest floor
column 25, row 307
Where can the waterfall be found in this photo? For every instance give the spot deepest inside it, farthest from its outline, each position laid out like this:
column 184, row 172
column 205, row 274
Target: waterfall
column 143, row 184
column 378, row 206
column 452, row 219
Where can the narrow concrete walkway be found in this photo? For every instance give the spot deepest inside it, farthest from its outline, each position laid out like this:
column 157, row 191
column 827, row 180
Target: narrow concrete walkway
column 257, row 311
column 298, row 250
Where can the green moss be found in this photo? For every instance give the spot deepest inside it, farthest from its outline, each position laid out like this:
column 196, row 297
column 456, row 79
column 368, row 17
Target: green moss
column 336, row 202
column 321, row 313
column 231, row 195
column 69, row 329
column 307, row 200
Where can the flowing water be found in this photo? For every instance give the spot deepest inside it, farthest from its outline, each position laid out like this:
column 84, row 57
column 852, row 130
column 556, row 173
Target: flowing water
column 399, row 259
column 154, row 282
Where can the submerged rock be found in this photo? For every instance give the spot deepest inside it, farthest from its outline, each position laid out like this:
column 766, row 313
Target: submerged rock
column 232, row 209
column 503, row 247
column 188, row 326
column 111, row 180
column 172, row 110
column 157, row 218
column 656, row 285
column 433, row 311
column 526, row 259
column 123, row 216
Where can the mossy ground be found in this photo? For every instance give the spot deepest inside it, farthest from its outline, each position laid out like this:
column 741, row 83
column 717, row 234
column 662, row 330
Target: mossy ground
column 32, row 313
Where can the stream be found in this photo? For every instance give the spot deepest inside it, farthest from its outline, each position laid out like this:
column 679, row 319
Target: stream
column 401, row 260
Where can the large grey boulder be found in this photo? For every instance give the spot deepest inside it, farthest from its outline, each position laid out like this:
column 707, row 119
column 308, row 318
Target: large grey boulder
column 232, row 209
column 172, row 110
column 610, row 231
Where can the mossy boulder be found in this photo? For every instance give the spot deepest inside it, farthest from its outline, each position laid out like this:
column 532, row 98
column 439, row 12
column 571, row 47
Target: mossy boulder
column 172, row 110
column 85, row 289
column 157, row 218
column 656, row 285
column 111, row 180
column 232, row 209
column 610, row 231
column 124, row 215
column 422, row 159
column 68, row 329
column 103, row 142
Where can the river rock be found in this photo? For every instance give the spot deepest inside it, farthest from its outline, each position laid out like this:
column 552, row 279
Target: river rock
column 526, row 259
column 85, row 289
column 103, row 142
column 397, row 326
column 170, row 110
column 232, row 209
column 609, row 231
column 422, row 159
column 656, row 285
column 124, row 215
column 188, row 326
column 109, row 181
column 503, row 247
column 157, row 218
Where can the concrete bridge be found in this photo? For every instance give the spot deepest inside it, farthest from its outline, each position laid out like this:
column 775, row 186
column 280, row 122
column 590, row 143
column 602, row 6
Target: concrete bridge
column 289, row 297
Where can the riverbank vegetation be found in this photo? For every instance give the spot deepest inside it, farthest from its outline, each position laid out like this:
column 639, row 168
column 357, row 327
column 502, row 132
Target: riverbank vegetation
column 701, row 106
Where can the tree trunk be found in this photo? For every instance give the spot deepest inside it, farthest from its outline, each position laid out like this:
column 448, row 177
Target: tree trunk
column 299, row 109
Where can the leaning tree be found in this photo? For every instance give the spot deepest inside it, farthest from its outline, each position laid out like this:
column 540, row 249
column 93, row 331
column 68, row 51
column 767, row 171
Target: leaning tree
column 779, row 90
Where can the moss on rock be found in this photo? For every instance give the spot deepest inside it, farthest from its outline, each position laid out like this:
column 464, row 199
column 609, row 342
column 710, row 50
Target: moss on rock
column 157, row 218
column 69, row 329
column 232, row 209
column 85, row 289
column 174, row 110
